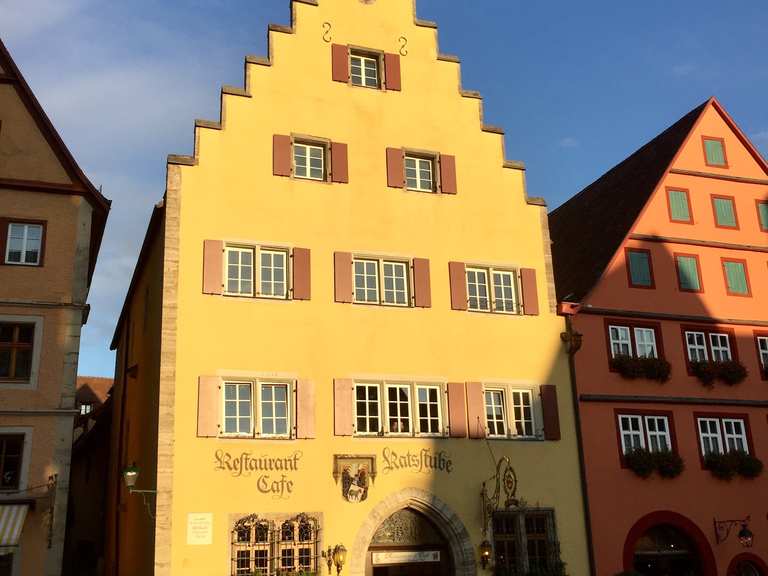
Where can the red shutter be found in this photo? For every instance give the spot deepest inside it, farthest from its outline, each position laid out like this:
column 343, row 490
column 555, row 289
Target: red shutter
column 340, row 63
column 3, row 238
column 476, row 409
column 305, row 409
column 530, row 291
column 447, row 174
column 457, row 410
column 551, row 412
column 395, row 168
column 208, row 406
column 281, row 155
column 342, row 267
column 213, row 266
column 392, row 71
column 422, row 293
column 339, row 163
column 342, row 406
column 457, row 274
column 301, row 274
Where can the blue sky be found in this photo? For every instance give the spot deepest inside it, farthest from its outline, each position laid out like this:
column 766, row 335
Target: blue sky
column 577, row 85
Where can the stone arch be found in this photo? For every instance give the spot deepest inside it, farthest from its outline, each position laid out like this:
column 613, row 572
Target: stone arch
column 446, row 520
column 759, row 563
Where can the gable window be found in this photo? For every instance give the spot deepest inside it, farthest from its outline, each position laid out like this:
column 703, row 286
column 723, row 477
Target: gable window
column 762, row 352
column 86, row 408
column 273, row 273
column 24, row 243
column 633, row 340
column 309, row 161
column 679, row 206
column 725, row 212
column 239, row 263
column 719, row 435
column 688, row 277
column 399, row 409
column 762, row 215
column 503, row 298
column 639, row 268
column 409, row 408
column 11, row 451
column 364, row 70
column 16, row 350
column 650, row 432
column 714, row 152
column 419, row 173
column 736, row 277
column 525, row 542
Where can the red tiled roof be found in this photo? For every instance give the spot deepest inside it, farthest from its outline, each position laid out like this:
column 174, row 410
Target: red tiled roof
column 92, row 389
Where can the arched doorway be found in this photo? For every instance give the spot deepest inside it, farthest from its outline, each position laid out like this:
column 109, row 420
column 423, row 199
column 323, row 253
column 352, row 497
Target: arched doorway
column 668, row 544
column 408, row 544
column 747, row 565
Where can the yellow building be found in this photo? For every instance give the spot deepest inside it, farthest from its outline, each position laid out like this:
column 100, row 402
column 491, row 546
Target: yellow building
column 51, row 223
column 342, row 324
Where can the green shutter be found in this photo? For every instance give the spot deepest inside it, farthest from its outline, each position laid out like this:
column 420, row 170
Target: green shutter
column 736, row 277
column 762, row 209
column 639, row 268
column 688, row 272
column 724, row 212
column 678, row 206
column 715, row 152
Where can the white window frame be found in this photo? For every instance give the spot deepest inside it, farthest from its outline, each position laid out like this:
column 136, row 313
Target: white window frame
column 289, row 420
column 718, row 349
column 240, row 250
column 716, row 436
column 37, row 347
column 367, row 416
column 286, row 271
column 515, row 300
column 652, row 343
column 237, row 417
column 366, row 276
column 762, row 350
column 502, row 403
column 733, row 435
column 308, row 148
column 619, row 340
column 364, row 77
column 513, row 420
column 24, row 244
column 477, row 271
column 624, row 433
column 419, row 163
column 380, row 278
column 409, row 390
column 699, row 346
column 430, row 418
column 657, row 434
column 396, row 264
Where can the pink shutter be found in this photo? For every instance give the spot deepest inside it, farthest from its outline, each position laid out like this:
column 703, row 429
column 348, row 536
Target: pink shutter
column 447, row 174
column 305, row 409
column 422, row 293
column 339, row 163
column 342, row 268
column 281, row 155
column 395, row 168
column 340, row 63
column 530, row 291
column 392, row 71
column 208, row 406
column 458, row 278
column 342, row 406
column 302, row 286
column 551, row 412
column 213, row 266
column 457, row 410
column 476, row 409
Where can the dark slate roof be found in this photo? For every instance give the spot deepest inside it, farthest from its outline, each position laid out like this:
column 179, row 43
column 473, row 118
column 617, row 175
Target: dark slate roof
column 587, row 230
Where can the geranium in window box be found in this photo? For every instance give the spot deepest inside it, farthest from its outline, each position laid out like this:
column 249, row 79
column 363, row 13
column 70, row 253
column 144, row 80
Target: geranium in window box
column 632, row 368
column 641, row 462
column 669, row 464
column 748, row 466
column 722, row 466
column 729, row 372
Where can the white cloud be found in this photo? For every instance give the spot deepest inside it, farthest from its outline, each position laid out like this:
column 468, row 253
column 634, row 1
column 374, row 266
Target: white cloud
column 568, row 142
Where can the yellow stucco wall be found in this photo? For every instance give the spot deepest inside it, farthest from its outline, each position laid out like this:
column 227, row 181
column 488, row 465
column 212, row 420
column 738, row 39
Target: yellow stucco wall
column 231, row 195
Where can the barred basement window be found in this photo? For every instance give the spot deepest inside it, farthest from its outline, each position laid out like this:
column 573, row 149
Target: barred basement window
column 525, row 542
column 266, row 548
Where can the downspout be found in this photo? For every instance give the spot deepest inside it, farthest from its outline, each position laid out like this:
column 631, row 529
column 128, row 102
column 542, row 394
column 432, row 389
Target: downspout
column 573, row 344
column 120, row 454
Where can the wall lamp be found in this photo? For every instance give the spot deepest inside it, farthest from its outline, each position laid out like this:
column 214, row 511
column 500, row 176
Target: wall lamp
column 485, row 553
column 130, row 476
column 336, row 555
column 723, row 530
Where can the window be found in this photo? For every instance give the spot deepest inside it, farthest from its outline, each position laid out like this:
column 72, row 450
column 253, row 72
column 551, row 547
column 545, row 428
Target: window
column 11, row 450
column 696, row 344
column 688, row 279
column 268, row 547
column 419, row 173
column 522, row 413
column 16, row 350
column 651, row 432
column 503, row 298
column 366, row 281
column 273, row 273
column 309, row 161
column 703, row 344
column 736, row 277
column 86, row 408
column 24, row 244
column 725, row 212
column 477, row 289
column 238, row 408
column 525, row 542
column 762, row 215
column 721, row 434
column 495, row 413
column 679, row 206
column 394, row 287
column 239, row 271
column 714, row 152
column 762, row 351
column 241, row 412
column 364, row 70
column 639, row 268
column 274, row 409
column 633, row 340
column 721, row 347
column 410, row 408
column 395, row 283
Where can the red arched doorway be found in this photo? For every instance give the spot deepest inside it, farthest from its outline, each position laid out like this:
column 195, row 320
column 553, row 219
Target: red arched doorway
column 747, row 565
column 672, row 532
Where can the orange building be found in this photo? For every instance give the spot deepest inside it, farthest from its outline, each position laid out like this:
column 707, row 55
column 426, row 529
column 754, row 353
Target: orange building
column 661, row 272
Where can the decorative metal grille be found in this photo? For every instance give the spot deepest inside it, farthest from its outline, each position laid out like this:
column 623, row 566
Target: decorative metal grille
column 262, row 547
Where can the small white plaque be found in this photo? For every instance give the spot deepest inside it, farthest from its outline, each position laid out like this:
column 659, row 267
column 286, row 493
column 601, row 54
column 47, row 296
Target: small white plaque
column 407, row 557
column 200, row 529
